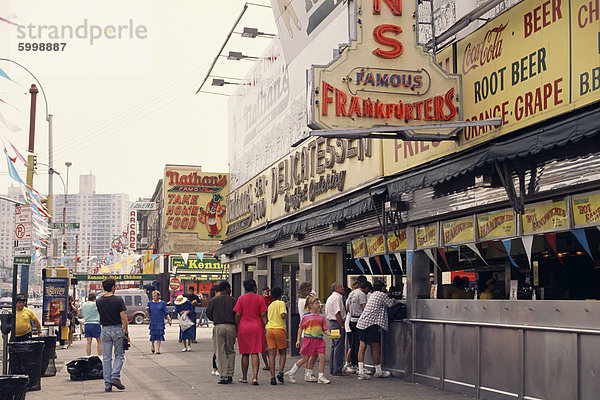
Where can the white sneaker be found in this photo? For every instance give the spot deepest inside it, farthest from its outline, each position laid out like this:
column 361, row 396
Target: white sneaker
column 291, row 377
column 310, row 378
column 217, row 373
column 363, row 377
column 383, row 374
column 322, row 379
column 189, row 349
column 368, row 372
column 184, row 350
column 350, row 369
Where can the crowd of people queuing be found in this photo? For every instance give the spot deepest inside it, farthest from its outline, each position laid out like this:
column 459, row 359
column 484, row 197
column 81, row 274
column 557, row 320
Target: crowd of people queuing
column 259, row 325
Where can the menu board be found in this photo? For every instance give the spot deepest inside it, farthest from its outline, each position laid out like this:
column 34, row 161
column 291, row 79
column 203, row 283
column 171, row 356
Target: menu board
column 496, row 225
column 586, row 209
column 375, row 245
column 459, row 231
column 358, row 248
column 55, row 302
column 426, row 236
column 547, row 216
column 397, row 242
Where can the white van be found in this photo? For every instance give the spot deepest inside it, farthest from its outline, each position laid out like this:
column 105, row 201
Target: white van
column 136, row 301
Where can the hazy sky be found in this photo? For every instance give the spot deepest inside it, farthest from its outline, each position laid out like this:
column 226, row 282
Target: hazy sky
column 123, row 107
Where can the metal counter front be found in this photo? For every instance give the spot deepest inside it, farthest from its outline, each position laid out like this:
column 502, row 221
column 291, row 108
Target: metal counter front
column 500, row 349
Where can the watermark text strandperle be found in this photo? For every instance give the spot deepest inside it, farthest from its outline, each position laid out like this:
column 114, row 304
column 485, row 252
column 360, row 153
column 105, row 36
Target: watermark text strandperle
column 82, row 31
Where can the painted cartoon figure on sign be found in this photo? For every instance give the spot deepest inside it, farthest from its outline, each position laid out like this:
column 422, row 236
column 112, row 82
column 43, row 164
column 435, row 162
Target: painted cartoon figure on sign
column 212, row 215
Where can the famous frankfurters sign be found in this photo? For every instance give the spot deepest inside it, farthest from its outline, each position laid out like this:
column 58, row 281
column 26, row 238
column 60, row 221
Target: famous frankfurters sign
column 383, row 77
column 194, row 201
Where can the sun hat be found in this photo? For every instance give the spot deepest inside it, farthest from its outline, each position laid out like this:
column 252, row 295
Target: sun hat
column 180, row 300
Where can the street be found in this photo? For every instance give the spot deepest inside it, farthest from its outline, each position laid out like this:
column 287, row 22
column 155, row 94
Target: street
column 177, row 375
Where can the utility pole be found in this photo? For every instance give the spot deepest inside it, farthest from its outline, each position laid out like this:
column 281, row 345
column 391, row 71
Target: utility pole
column 30, row 164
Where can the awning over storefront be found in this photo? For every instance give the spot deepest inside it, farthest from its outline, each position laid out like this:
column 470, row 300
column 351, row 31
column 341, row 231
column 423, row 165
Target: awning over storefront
column 346, row 209
column 556, row 132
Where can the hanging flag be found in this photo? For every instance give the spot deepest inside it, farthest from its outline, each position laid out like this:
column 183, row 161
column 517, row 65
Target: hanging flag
column 582, row 239
column 10, row 105
column 154, row 256
column 359, row 265
column 9, row 125
column 507, row 244
column 528, row 244
column 5, row 75
column 409, row 259
column 551, row 238
column 389, row 263
column 378, row 261
column 475, row 250
column 429, row 254
column 8, row 22
column 19, row 156
column 200, row 256
column 12, row 172
column 185, row 257
column 443, row 255
column 492, row 244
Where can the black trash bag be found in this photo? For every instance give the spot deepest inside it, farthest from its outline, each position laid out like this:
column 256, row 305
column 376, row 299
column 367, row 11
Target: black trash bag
column 26, row 359
column 48, row 365
column 397, row 312
column 85, row 368
column 13, row 387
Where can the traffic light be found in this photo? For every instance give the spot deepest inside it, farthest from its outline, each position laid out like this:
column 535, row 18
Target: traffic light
column 34, row 163
column 65, row 247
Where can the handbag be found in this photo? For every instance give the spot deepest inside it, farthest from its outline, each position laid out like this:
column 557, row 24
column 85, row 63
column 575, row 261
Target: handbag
column 185, row 322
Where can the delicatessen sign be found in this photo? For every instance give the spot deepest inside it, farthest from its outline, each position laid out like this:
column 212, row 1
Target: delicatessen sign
column 194, row 202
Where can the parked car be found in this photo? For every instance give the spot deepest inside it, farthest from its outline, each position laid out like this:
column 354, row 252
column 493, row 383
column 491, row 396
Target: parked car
column 135, row 301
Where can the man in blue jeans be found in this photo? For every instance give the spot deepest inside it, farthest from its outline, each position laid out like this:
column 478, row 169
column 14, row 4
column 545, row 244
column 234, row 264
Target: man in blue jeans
column 335, row 313
column 113, row 319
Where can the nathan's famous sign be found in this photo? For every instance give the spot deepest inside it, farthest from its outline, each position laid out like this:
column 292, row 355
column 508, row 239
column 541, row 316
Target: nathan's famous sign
column 194, row 201
column 384, row 77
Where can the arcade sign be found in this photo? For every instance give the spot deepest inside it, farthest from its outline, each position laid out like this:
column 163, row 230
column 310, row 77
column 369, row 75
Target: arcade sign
column 383, row 78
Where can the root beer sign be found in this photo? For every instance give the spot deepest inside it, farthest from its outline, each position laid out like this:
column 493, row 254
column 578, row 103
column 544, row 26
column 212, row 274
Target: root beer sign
column 194, row 201
column 383, row 77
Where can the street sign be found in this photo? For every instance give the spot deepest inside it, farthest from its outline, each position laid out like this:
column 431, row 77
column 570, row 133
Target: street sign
column 66, row 225
column 142, row 205
column 174, row 284
column 23, row 260
column 23, row 228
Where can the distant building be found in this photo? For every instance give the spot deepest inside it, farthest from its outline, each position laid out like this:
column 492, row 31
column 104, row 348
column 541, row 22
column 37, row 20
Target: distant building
column 102, row 218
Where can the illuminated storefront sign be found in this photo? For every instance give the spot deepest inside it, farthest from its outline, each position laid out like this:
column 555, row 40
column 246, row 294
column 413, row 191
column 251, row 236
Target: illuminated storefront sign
column 194, row 201
column 383, row 78
column 532, row 62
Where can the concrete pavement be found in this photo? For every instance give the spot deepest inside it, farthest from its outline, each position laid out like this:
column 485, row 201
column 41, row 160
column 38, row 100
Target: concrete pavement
column 177, row 375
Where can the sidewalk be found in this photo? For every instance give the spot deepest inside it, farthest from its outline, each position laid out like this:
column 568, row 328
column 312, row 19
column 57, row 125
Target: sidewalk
column 177, row 375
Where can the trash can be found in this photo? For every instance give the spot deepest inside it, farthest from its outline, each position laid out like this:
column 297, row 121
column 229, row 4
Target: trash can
column 13, row 387
column 49, row 354
column 26, row 359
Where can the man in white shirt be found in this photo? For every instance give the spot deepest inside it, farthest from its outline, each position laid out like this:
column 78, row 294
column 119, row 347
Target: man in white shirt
column 335, row 313
column 355, row 305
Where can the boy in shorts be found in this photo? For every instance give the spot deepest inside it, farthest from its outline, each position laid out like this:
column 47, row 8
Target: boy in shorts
column 276, row 334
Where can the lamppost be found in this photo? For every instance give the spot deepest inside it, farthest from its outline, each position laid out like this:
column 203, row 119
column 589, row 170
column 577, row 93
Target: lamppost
column 67, row 164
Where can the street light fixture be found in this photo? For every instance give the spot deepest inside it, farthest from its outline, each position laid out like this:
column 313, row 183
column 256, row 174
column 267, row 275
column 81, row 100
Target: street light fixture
column 254, row 33
column 64, row 248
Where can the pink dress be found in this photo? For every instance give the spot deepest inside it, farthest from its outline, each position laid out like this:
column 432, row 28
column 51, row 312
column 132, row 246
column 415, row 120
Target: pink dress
column 251, row 331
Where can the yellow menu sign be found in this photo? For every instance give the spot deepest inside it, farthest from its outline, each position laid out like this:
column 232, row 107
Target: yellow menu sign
column 426, row 236
column 397, row 243
column 376, row 245
column 496, row 225
column 358, row 248
column 459, row 231
column 545, row 216
column 586, row 209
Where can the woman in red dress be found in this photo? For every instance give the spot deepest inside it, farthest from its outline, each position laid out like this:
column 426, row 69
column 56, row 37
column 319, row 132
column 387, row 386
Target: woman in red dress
column 251, row 317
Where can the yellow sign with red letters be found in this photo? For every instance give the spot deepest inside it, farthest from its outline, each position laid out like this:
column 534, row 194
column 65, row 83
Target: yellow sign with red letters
column 547, row 216
column 586, row 209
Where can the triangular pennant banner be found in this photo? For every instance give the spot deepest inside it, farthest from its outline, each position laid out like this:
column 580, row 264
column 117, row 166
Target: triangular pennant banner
column 429, row 254
column 507, row 245
column 154, row 256
column 551, row 238
column 19, row 156
column 389, row 262
column 443, row 255
column 200, row 256
column 5, row 75
column 359, row 265
column 528, row 244
column 582, row 239
column 475, row 250
column 409, row 259
column 12, row 172
column 378, row 261
column 185, row 257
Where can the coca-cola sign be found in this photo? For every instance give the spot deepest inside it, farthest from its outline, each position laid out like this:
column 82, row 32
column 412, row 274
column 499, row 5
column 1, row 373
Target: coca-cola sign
column 484, row 52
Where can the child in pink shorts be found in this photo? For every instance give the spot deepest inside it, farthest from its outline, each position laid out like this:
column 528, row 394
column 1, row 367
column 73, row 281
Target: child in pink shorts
column 313, row 326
